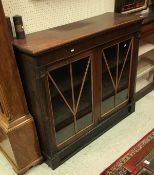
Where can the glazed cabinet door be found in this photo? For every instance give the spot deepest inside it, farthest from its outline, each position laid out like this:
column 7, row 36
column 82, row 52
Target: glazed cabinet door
column 116, row 73
column 70, row 87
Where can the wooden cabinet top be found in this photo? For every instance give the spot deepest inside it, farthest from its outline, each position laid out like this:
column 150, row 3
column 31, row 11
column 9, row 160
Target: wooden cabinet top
column 38, row 42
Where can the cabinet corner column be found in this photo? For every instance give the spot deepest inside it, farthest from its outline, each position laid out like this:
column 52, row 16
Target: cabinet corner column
column 18, row 137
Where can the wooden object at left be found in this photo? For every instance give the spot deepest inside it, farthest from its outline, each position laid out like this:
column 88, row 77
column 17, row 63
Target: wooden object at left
column 18, row 138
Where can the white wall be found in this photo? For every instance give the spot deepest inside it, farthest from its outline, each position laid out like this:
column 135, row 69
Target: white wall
column 42, row 14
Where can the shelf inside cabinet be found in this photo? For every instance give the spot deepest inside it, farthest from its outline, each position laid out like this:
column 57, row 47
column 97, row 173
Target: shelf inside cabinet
column 146, row 63
column 84, row 107
column 144, row 67
column 108, row 89
column 149, row 56
column 144, row 81
column 145, row 72
column 145, row 47
column 62, row 76
column 149, row 39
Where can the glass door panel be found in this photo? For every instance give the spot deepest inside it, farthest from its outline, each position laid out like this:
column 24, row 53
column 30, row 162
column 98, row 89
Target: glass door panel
column 82, row 93
column 61, row 95
column 70, row 89
column 123, row 70
column 62, row 79
column 108, row 78
column 116, row 61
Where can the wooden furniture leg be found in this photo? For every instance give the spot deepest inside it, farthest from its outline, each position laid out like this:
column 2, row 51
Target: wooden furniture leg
column 18, row 138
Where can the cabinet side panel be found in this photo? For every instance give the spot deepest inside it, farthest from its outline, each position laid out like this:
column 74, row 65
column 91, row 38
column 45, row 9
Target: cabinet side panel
column 32, row 83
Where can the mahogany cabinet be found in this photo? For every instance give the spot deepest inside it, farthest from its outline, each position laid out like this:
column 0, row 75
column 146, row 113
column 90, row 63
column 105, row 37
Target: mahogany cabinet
column 79, row 80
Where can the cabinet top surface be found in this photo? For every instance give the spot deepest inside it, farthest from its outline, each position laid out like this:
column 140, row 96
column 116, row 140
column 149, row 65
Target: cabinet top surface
column 38, row 42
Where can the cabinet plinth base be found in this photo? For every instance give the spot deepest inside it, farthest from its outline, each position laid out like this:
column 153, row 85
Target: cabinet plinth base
column 14, row 138
column 66, row 153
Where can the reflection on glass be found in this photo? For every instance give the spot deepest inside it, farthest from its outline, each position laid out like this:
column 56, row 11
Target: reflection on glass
column 123, row 72
column 82, row 93
column 62, row 79
column 71, row 97
column 115, row 75
column 110, row 62
column 107, row 104
column 121, row 96
column 63, row 117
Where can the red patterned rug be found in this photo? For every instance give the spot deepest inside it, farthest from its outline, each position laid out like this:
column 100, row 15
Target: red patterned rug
column 138, row 160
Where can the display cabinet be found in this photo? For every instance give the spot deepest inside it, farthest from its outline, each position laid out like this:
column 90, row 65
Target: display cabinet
column 79, row 80
column 145, row 72
column 145, row 75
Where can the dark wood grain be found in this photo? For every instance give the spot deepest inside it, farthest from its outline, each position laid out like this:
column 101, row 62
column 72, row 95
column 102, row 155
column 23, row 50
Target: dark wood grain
column 59, row 36
column 9, row 76
column 46, row 51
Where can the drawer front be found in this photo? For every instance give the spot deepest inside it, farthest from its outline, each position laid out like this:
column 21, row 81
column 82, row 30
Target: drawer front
column 83, row 45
